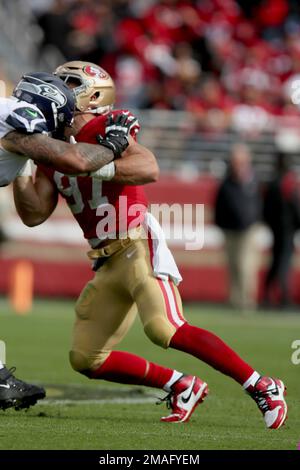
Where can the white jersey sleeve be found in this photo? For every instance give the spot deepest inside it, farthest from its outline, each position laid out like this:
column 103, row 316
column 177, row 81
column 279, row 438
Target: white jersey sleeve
column 10, row 165
column 23, row 117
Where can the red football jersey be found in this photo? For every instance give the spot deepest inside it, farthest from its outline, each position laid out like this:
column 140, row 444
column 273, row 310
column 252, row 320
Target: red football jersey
column 102, row 208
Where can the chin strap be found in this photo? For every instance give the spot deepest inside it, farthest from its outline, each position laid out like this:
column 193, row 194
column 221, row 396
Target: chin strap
column 54, row 110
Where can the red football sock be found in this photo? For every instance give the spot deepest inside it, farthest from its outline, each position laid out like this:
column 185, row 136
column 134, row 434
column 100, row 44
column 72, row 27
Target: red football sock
column 212, row 350
column 123, row 367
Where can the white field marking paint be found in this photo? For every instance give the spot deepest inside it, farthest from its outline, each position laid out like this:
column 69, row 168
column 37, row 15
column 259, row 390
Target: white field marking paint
column 131, row 401
column 2, row 352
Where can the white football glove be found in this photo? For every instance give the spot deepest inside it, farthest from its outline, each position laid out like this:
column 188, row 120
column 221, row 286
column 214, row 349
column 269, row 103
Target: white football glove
column 134, row 125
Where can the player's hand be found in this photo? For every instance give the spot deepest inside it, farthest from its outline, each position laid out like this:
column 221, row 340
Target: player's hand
column 117, row 132
column 124, row 122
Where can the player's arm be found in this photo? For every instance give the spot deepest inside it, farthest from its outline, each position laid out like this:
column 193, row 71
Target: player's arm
column 137, row 166
column 64, row 157
column 34, row 200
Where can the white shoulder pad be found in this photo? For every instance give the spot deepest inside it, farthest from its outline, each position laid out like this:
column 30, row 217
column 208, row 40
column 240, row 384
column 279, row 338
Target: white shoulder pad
column 20, row 116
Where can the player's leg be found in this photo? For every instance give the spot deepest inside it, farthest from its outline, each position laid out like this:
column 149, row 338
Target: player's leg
column 105, row 313
column 160, row 324
column 248, row 265
column 272, row 273
column 284, row 265
column 232, row 248
column 15, row 392
column 205, row 345
column 160, row 308
column 97, row 334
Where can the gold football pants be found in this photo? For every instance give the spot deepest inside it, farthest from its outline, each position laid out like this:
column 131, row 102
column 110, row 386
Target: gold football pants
column 107, row 306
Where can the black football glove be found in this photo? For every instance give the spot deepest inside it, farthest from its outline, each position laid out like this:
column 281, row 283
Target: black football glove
column 117, row 131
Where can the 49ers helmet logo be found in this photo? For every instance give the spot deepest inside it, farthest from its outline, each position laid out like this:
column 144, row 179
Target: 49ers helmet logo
column 95, row 72
column 95, row 88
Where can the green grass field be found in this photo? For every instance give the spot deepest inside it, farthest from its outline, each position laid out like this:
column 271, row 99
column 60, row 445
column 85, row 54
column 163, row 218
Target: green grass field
column 83, row 414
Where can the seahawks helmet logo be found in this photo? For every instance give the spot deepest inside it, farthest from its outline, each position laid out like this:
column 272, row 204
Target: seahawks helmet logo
column 46, row 90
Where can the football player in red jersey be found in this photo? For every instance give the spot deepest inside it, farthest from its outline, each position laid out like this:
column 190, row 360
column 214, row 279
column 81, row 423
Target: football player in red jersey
column 133, row 272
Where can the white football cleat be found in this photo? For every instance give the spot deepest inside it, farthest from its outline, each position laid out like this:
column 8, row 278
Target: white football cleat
column 269, row 395
column 187, row 393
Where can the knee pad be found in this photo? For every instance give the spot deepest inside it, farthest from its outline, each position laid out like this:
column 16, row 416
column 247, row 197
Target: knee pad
column 160, row 331
column 85, row 364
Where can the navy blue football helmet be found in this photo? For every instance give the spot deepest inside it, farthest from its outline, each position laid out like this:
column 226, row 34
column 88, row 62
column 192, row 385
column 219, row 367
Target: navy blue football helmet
column 51, row 96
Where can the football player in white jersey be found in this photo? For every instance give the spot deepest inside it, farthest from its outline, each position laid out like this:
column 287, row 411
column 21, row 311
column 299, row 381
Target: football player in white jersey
column 42, row 105
column 40, row 109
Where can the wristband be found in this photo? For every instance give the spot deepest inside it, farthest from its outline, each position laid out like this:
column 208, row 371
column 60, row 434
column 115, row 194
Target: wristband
column 106, row 173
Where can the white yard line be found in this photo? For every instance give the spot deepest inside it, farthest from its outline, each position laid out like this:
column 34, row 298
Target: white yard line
column 99, row 401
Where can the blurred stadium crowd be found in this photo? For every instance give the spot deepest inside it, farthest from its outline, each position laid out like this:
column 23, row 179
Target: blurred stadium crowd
column 201, row 75
column 230, row 62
